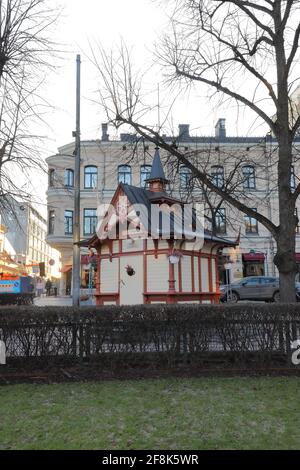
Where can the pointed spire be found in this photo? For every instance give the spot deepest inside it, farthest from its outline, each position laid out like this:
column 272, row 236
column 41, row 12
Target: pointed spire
column 157, row 177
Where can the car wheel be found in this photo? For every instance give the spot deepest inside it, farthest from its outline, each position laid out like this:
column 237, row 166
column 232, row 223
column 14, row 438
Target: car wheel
column 232, row 297
column 276, row 297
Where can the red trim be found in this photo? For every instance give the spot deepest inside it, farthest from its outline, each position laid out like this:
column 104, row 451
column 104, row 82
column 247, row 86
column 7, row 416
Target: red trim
column 210, row 275
column 298, row 257
column 180, row 276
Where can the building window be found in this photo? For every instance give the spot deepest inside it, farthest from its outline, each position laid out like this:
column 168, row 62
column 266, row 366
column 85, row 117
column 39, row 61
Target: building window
column 68, row 222
column 90, row 177
column 89, row 221
column 51, row 220
column 145, row 174
column 185, row 176
column 124, row 174
column 251, row 225
column 217, row 174
column 249, row 177
column 69, row 178
column 292, row 177
column 51, row 177
column 220, row 221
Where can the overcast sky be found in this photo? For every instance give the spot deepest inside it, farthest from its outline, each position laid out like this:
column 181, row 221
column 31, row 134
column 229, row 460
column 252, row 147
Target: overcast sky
column 139, row 23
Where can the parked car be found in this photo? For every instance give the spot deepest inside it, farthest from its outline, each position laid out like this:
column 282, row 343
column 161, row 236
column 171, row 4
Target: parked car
column 254, row 288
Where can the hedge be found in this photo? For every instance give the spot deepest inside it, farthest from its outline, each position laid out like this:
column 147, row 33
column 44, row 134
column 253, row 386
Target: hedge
column 151, row 334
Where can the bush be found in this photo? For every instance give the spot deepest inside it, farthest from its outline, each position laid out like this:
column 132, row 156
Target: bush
column 151, row 334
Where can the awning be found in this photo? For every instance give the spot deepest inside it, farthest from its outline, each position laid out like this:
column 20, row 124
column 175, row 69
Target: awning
column 253, row 257
column 66, row 268
column 298, row 257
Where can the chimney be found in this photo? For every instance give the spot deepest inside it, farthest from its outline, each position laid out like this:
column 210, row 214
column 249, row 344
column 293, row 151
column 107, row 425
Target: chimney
column 105, row 136
column 184, row 132
column 220, row 129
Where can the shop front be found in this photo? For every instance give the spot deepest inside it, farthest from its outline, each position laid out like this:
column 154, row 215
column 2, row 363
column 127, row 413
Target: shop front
column 253, row 264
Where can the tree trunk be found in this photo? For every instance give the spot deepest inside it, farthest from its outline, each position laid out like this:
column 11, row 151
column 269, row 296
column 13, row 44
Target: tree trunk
column 285, row 258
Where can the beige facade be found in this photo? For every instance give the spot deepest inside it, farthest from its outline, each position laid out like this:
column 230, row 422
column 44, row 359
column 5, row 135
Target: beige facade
column 106, row 162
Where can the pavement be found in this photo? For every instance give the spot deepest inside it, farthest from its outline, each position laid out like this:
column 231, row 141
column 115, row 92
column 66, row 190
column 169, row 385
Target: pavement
column 59, row 301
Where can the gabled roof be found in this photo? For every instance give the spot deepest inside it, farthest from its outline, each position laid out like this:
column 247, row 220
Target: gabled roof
column 144, row 199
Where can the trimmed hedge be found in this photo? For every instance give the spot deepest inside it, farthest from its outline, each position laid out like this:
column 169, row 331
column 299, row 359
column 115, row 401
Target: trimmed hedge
column 151, row 335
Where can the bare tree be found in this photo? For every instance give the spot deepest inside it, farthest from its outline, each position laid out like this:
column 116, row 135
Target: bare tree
column 25, row 48
column 246, row 51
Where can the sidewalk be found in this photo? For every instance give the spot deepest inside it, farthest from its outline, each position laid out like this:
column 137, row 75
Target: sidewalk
column 58, row 301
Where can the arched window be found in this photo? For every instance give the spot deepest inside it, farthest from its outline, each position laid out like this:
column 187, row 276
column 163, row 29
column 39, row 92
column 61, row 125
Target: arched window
column 217, row 175
column 124, row 174
column 249, row 177
column 69, row 178
column 185, row 175
column 145, row 174
column 90, row 177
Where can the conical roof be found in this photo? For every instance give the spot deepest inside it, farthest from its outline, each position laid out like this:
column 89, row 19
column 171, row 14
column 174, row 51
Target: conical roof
column 157, row 171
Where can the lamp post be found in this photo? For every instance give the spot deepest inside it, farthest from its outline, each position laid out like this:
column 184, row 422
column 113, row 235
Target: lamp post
column 76, row 228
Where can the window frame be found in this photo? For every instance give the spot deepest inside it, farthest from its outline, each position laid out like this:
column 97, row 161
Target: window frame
column 249, row 177
column 91, row 176
column 89, row 217
column 217, row 175
column 142, row 181
column 67, row 222
column 249, row 220
column 184, row 171
column 51, row 176
column 68, row 172
column 221, row 218
column 51, row 223
column 123, row 174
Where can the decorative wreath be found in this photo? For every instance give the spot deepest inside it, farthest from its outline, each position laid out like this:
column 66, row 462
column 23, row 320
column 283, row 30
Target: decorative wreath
column 130, row 271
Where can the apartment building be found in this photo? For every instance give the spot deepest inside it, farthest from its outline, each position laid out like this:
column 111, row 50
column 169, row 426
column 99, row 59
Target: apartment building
column 246, row 165
column 23, row 239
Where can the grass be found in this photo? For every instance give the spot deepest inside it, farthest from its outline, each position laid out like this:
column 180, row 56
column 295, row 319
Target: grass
column 195, row 414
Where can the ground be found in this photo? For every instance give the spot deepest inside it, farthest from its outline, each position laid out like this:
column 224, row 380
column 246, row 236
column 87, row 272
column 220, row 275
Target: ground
column 59, row 301
column 194, row 414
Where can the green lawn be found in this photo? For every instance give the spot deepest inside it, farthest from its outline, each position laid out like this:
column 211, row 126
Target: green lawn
column 205, row 413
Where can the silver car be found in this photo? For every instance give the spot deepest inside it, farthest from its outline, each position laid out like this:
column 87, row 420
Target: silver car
column 261, row 288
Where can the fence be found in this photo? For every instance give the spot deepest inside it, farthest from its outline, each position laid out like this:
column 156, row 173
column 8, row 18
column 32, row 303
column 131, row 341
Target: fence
column 155, row 335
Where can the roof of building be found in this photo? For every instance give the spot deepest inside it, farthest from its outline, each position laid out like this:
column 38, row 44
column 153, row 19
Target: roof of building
column 157, row 171
column 148, row 213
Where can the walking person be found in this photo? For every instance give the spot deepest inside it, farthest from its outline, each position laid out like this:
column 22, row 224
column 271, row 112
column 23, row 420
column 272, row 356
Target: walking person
column 39, row 287
column 48, row 287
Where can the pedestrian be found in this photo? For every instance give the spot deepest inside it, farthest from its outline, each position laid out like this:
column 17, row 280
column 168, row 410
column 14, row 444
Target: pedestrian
column 48, row 287
column 39, row 287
